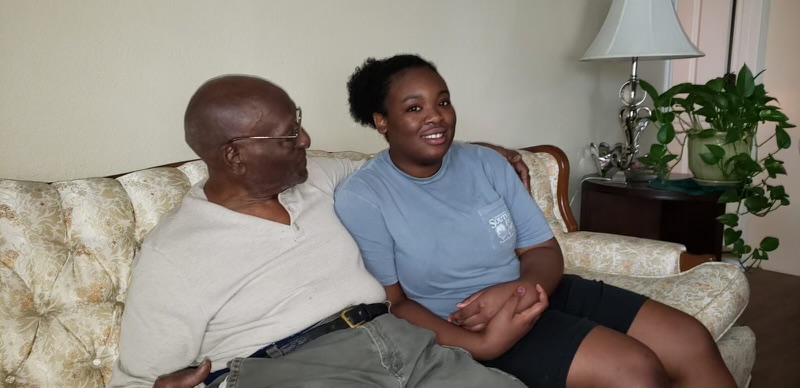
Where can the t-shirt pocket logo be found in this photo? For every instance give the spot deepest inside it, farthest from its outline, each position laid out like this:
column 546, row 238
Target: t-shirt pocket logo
column 500, row 224
column 503, row 226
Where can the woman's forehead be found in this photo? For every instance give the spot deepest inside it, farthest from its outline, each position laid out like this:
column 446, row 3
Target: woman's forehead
column 410, row 80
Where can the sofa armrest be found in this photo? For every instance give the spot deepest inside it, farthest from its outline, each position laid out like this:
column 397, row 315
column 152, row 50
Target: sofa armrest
column 617, row 254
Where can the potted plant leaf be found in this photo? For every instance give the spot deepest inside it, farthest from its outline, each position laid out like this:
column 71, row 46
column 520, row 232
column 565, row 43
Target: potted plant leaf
column 716, row 125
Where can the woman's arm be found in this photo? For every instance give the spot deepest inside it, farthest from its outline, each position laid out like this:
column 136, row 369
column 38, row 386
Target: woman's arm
column 542, row 264
column 500, row 334
column 446, row 332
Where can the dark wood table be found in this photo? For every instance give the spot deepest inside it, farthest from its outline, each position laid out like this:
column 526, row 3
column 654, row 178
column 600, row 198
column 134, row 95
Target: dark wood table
column 634, row 209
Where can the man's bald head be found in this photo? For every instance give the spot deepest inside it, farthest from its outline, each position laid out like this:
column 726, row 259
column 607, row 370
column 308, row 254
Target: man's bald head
column 227, row 107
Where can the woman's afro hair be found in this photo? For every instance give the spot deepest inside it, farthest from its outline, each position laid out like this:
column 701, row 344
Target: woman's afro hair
column 369, row 84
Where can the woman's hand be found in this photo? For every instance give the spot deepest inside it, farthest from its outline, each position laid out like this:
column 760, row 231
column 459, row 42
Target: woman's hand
column 475, row 312
column 508, row 326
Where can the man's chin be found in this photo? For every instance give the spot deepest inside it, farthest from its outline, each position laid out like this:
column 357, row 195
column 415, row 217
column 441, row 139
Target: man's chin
column 302, row 177
column 298, row 180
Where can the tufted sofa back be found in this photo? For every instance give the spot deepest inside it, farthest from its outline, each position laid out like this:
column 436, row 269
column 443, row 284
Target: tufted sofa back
column 65, row 254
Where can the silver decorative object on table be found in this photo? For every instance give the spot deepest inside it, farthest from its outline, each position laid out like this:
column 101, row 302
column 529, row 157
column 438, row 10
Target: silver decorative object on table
column 602, row 158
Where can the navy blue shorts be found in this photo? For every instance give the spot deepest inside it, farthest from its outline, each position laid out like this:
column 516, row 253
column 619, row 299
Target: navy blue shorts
column 542, row 358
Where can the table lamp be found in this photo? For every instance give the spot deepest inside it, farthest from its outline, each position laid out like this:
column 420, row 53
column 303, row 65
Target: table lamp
column 634, row 30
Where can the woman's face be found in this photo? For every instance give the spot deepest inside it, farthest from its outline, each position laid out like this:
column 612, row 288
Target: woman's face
column 420, row 122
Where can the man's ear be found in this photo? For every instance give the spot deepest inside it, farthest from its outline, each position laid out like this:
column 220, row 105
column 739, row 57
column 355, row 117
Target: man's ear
column 380, row 122
column 233, row 160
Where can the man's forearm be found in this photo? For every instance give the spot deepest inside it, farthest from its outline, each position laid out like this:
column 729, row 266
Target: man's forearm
column 447, row 334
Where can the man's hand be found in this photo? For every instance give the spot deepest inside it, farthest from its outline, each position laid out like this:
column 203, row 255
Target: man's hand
column 519, row 166
column 515, row 159
column 185, row 378
column 475, row 312
column 507, row 327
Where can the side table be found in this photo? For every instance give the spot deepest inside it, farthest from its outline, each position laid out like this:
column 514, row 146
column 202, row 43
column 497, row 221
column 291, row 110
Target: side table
column 634, row 209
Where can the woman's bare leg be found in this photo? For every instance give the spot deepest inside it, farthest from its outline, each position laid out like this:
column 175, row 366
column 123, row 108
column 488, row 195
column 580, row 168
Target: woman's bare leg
column 607, row 358
column 684, row 346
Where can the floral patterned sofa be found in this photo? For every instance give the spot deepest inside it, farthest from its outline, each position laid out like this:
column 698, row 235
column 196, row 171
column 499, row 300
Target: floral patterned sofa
column 66, row 249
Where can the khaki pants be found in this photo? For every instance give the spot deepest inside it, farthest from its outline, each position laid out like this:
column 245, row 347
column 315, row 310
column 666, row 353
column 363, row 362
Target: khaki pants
column 387, row 352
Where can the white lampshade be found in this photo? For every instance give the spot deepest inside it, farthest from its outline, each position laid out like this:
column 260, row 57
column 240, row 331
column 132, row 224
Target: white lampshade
column 647, row 29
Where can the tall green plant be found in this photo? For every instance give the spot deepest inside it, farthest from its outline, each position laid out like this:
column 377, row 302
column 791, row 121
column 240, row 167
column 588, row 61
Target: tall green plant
column 734, row 106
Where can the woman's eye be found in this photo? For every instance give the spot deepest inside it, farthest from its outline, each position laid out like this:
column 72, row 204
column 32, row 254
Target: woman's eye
column 444, row 103
column 414, row 108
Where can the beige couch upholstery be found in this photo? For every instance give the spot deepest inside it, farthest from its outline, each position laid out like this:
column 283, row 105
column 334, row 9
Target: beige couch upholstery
column 66, row 250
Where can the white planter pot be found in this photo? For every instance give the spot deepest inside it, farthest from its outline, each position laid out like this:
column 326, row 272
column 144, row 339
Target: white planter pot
column 712, row 174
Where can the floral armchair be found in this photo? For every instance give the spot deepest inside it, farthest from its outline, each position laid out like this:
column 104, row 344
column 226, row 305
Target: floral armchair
column 714, row 293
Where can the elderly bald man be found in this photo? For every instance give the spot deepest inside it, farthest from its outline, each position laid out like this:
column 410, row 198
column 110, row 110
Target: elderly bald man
column 254, row 272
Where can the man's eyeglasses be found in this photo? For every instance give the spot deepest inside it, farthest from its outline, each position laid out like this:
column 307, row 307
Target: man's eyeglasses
column 295, row 131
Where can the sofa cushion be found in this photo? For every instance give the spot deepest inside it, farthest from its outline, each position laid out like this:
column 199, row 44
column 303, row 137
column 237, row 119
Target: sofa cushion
column 65, row 255
column 152, row 193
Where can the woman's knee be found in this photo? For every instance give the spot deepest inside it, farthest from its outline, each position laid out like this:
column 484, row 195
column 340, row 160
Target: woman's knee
column 686, row 332
column 642, row 368
column 671, row 332
column 609, row 358
column 697, row 338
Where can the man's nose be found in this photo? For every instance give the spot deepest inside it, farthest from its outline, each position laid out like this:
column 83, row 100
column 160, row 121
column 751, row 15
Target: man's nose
column 303, row 139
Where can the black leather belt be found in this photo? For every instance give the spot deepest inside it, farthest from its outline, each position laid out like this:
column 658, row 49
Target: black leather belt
column 349, row 318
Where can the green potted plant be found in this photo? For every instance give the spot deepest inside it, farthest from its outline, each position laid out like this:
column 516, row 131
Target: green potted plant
column 716, row 124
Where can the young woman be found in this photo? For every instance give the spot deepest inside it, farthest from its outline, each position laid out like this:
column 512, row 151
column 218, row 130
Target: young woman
column 463, row 250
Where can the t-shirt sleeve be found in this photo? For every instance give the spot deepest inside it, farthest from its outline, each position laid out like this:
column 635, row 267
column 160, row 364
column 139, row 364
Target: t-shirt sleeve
column 364, row 221
column 333, row 171
column 160, row 333
column 532, row 227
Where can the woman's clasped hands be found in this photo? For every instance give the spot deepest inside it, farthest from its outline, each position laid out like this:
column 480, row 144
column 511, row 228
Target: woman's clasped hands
column 501, row 314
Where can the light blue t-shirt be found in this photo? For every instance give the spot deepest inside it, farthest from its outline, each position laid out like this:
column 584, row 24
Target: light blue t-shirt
column 443, row 237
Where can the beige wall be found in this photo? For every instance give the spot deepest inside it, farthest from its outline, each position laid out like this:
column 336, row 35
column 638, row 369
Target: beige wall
column 707, row 23
column 782, row 81
column 99, row 87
